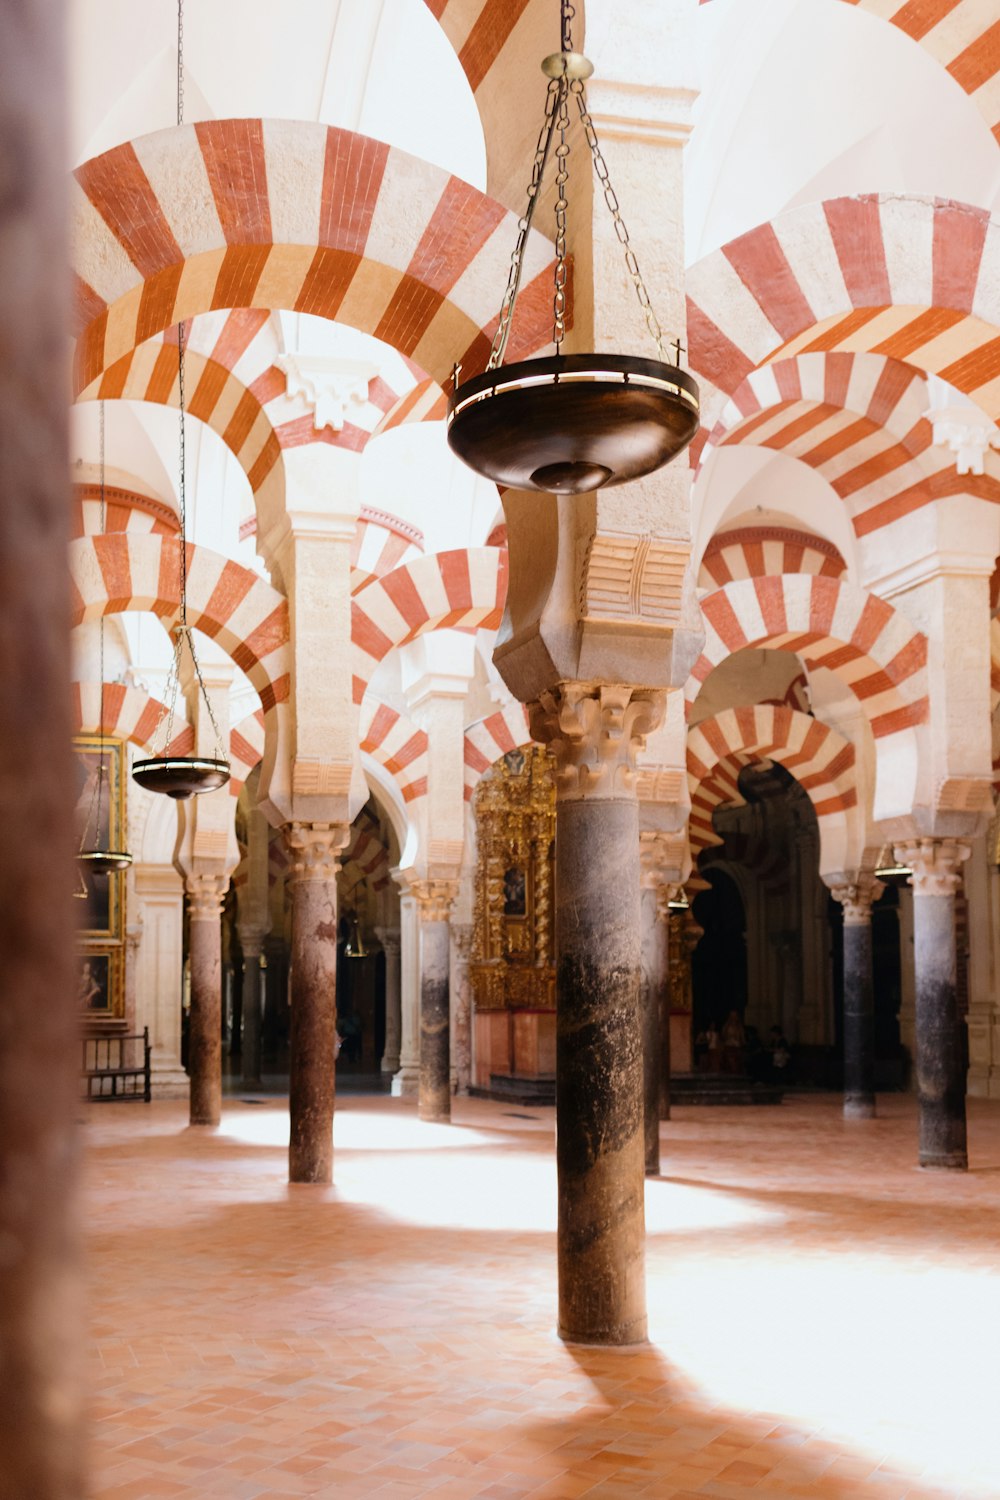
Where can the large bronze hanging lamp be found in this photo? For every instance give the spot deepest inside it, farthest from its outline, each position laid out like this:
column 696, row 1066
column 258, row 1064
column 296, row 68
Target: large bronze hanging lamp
column 98, row 860
column 182, row 776
column 571, row 423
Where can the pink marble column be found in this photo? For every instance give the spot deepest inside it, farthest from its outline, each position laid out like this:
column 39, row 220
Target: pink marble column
column 41, row 1449
column 205, row 894
column 314, row 849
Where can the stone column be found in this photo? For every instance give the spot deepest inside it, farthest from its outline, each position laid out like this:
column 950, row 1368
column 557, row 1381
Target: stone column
column 252, row 943
column 461, row 1033
column 664, row 895
column 434, row 901
column 859, row 996
column 907, row 981
column 41, row 1333
column 936, row 866
column 312, row 880
column 650, row 1002
column 205, row 895
column 133, row 942
column 406, row 1083
column 389, row 938
column 595, row 732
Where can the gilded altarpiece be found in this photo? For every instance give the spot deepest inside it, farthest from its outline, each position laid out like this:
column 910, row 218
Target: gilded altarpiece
column 101, row 915
column 512, row 967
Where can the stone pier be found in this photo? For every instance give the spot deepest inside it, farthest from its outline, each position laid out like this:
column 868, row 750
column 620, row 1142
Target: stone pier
column 595, row 733
column 859, row 996
column 313, row 849
column 205, row 895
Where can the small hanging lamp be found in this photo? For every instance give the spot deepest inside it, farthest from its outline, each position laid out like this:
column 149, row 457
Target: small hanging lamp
column 888, row 868
column 182, row 776
column 571, row 423
column 355, row 945
column 96, row 859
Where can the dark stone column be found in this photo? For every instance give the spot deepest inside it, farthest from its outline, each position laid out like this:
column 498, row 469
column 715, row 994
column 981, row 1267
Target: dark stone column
column 389, row 938
column 434, row 901
column 936, row 866
column 461, row 948
column 205, row 895
column 41, row 1330
column 314, row 850
column 595, row 734
column 859, row 996
column 251, row 943
column 650, row 994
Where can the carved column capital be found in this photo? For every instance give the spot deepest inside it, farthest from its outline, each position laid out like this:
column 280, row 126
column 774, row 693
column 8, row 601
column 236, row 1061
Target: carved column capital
column 251, row 940
column 936, row 865
column 435, row 898
column 205, row 896
column 660, row 858
column 389, row 937
column 596, row 732
column 314, row 850
column 665, row 893
column 856, row 898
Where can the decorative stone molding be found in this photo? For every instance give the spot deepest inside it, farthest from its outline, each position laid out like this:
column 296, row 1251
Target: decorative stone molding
column 628, row 577
column 936, row 865
column 660, row 784
column 205, row 896
column 660, row 856
column 313, row 778
column 314, row 850
column 969, row 434
column 856, row 898
column 329, row 385
column 251, row 940
column 389, row 937
column 461, row 937
column 664, row 895
column 595, row 732
column 435, row 898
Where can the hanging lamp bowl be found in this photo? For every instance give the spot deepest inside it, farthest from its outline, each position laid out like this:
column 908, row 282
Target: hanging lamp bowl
column 181, row 775
column 103, row 861
column 573, row 423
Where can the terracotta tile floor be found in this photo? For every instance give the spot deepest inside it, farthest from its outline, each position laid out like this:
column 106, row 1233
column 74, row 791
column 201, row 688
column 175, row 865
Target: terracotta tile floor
column 824, row 1318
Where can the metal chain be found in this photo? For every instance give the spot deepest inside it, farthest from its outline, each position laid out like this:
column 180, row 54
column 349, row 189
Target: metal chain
column 542, row 150
column 568, row 13
column 180, row 62
column 611, row 199
column 561, row 205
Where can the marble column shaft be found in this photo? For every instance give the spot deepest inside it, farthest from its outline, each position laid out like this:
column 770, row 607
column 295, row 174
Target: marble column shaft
column 314, row 850
column 649, row 1010
column 253, row 998
column 41, row 1295
column 461, row 948
column 389, row 938
column 600, row 1156
column 859, row 997
column 663, row 898
column 936, row 866
column 435, row 898
column 205, row 896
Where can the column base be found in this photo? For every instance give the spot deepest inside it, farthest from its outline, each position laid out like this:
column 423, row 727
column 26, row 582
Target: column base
column 434, row 1116
column 632, row 1336
column 859, row 1109
column 389, row 1064
column 955, row 1161
column 168, row 1079
column 406, row 1084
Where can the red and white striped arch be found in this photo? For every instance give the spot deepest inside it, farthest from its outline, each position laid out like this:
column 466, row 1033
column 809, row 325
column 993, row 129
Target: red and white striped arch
column 858, row 420
column 489, row 738
column 127, row 713
column 125, row 510
column 961, row 34
column 460, row 590
column 245, row 615
column 821, row 760
column 283, row 214
column 381, row 544
column 397, row 745
column 246, row 749
column 872, row 648
column 365, row 859
column 914, row 279
column 720, row 788
column 762, row 551
column 427, row 402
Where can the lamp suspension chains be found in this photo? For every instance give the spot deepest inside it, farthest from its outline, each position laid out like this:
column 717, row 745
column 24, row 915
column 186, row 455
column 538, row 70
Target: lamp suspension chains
column 182, row 776
column 571, row 423
column 97, row 860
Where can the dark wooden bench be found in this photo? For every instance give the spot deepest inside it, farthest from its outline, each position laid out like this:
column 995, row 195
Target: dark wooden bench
column 117, row 1067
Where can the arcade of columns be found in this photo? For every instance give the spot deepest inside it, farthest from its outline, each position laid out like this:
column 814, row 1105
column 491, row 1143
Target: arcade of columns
column 632, row 653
